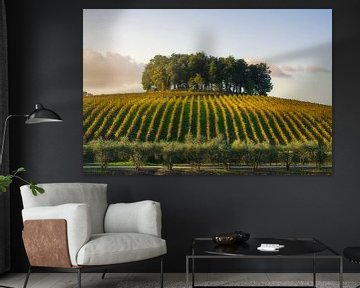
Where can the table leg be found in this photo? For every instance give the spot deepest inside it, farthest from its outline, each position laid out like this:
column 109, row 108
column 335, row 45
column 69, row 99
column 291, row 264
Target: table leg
column 341, row 273
column 314, row 271
column 193, row 267
column 193, row 272
column 187, row 272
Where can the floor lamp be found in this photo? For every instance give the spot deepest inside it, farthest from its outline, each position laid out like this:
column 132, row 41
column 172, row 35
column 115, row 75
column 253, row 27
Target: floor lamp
column 39, row 115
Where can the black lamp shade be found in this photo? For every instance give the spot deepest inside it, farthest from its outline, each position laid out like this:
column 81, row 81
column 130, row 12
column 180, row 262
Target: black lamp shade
column 42, row 115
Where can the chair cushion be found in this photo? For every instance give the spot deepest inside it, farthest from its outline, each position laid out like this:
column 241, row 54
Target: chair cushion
column 114, row 248
column 352, row 253
column 137, row 217
column 92, row 194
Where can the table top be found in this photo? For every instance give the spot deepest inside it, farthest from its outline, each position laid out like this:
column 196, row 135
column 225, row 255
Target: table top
column 292, row 247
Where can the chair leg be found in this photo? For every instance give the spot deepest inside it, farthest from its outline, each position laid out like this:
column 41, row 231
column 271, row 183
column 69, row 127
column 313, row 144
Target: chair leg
column 103, row 275
column 161, row 273
column 79, row 277
column 27, row 277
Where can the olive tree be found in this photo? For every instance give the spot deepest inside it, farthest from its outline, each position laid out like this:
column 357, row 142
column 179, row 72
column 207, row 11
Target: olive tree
column 170, row 152
column 104, row 151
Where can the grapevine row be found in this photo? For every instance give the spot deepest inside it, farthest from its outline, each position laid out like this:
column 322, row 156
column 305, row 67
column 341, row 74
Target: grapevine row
column 171, row 117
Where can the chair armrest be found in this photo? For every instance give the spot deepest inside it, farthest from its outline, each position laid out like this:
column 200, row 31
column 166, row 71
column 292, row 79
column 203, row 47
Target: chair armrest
column 78, row 223
column 52, row 250
column 138, row 217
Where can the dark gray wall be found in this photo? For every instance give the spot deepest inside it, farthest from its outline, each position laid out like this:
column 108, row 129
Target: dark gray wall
column 45, row 50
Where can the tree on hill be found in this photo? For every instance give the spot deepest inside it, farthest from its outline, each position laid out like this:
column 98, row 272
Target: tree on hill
column 156, row 74
column 239, row 75
column 87, row 94
column 197, row 82
column 258, row 77
column 199, row 72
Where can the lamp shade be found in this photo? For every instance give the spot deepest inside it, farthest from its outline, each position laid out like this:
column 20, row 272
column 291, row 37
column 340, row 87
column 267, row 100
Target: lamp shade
column 42, row 115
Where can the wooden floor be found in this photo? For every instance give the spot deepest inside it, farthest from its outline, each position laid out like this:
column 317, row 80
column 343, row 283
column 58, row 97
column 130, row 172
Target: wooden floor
column 113, row 280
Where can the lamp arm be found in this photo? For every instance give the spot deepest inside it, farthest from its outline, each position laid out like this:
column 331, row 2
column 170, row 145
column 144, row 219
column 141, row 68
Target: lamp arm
column 4, row 133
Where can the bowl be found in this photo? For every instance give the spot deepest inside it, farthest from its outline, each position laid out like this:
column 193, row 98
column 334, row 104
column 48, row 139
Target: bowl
column 231, row 238
column 225, row 239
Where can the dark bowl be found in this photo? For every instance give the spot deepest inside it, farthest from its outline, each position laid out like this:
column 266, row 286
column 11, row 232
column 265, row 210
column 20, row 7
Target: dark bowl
column 225, row 239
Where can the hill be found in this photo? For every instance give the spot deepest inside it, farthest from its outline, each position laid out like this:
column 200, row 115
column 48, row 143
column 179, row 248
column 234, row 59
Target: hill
column 170, row 116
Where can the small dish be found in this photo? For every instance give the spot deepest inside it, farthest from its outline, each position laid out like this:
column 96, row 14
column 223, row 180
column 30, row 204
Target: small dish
column 225, row 239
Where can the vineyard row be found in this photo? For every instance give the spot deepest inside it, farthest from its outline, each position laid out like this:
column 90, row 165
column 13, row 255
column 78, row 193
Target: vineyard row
column 156, row 118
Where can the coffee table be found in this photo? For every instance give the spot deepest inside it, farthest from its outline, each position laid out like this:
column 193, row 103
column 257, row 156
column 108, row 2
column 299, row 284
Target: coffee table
column 294, row 248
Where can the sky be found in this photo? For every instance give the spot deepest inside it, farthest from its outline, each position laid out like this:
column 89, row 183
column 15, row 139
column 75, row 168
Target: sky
column 295, row 43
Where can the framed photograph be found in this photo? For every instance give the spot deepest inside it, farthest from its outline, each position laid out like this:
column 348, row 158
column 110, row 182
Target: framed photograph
column 207, row 92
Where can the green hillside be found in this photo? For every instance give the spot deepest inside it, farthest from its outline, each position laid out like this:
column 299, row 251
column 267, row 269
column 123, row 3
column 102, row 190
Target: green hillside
column 171, row 116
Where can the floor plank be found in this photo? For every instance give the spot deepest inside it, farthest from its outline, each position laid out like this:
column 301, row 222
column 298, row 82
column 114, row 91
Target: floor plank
column 114, row 280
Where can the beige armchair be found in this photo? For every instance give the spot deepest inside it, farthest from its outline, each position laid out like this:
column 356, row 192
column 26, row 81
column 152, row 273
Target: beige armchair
column 72, row 228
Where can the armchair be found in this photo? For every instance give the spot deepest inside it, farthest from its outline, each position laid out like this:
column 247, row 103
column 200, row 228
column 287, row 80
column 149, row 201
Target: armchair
column 71, row 228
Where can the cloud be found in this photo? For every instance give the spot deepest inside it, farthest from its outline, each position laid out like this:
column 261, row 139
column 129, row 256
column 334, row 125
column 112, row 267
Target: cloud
column 321, row 52
column 275, row 69
column 316, row 69
column 307, row 69
column 319, row 58
column 110, row 72
column 289, row 68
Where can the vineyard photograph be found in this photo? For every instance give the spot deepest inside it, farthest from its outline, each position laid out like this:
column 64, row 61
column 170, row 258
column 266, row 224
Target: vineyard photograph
column 205, row 97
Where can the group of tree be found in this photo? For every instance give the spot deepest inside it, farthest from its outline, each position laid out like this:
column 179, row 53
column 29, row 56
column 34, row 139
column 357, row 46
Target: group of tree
column 86, row 94
column 197, row 152
column 200, row 72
